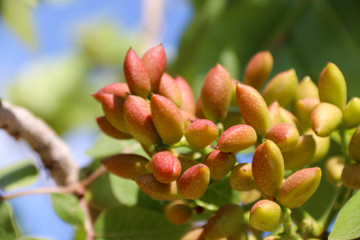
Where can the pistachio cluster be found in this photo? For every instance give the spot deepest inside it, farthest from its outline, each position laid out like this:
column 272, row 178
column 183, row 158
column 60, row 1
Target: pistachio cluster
column 191, row 145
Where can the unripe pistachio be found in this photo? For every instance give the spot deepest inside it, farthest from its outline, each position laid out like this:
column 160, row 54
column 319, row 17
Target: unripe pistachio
column 170, row 89
column 118, row 89
column 136, row 75
column 113, row 106
column 303, row 108
column 137, row 115
column 284, row 135
column 282, row 88
column 201, row 133
column 253, row 108
column 265, row 215
column 354, row 145
column 351, row 113
column 187, row 95
column 325, row 118
column 194, row 182
column 307, row 89
column 237, row 138
column 302, row 154
column 216, row 93
column 166, row 167
column 126, row 165
column 157, row 190
column 241, row 178
column 155, row 63
column 351, row 175
column 332, row 86
column 334, row 168
column 178, row 212
column 275, row 114
column 188, row 118
column 322, row 146
column 299, row 187
column 233, row 102
column 167, row 119
column 268, row 167
column 224, row 222
column 219, row 163
column 186, row 162
column 233, row 118
column 199, row 113
column 248, row 197
column 110, row 130
column 258, row 69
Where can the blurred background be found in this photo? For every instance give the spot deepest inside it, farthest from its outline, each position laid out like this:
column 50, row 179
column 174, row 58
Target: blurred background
column 55, row 53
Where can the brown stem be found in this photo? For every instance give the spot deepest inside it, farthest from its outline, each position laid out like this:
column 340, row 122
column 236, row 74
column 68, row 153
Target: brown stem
column 90, row 233
column 54, row 152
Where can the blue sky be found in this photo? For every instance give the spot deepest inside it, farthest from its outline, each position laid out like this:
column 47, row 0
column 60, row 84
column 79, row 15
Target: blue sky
column 56, row 25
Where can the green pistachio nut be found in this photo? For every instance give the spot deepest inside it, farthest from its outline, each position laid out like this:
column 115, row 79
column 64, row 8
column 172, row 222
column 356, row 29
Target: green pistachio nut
column 219, row 163
column 170, row 89
column 199, row 113
column 233, row 102
column 354, row 145
column 216, row 93
column 325, row 118
column 155, row 63
column 282, row 88
column 302, row 109
column 268, row 168
column 166, row 167
column 332, row 86
column 351, row 113
column 201, row 133
column 322, row 146
column 307, row 89
column 253, row 108
column 299, row 187
column 193, row 234
column 258, row 69
column 288, row 117
column 126, row 165
column 110, row 130
column 351, row 175
column 113, row 106
column 302, row 154
column 334, row 168
column 136, row 75
column 167, row 119
column 178, row 212
column 284, row 135
column 137, row 115
column 233, row 118
column 157, row 190
column 188, row 118
column 187, row 95
column 224, row 222
column 194, row 182
column 186, row 162
column 241, row 178
column 265, row 215
column 237, row 138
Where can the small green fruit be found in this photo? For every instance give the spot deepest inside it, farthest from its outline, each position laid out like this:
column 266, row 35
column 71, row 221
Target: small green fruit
column 201, row 133
column 219, row 163
column 241, row 178
column 299, row 187
column 303, row 108
column 268, row 168
column 110, row 130
column 307, row 89
column 178, row 212
column 302, row 154
column 194, row 182
column 354, row 145
column 126, row 165
column 325, row 118
column 237, row 138
column 351, row 175
column 284, row 135
column 351, row 113
column 258, row 69
column 170, row 89
column 334, row 168
column 265, row 215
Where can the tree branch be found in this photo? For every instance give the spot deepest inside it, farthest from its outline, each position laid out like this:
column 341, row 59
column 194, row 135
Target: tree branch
column 54, row 153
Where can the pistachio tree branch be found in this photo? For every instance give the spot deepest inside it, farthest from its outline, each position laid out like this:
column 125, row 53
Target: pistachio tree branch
column 54, row 153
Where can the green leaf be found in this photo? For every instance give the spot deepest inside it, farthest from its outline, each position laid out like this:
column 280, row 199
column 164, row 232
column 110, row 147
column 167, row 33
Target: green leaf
column 79, row 235
column 347, row 224
column 8, row 228
column 18, row 16
column 32, row 238
column 107, row 146
column 134, row 223
column 125, row 190
column 18, row 175
column 68, row 209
